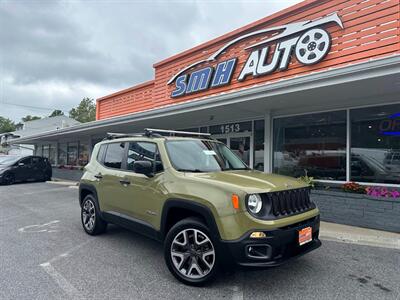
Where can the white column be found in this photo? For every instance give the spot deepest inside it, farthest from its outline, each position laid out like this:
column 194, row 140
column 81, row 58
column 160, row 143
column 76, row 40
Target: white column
column 267, row 142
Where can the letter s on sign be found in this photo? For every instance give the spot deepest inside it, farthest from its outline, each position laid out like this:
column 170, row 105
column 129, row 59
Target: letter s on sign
column 180, row 84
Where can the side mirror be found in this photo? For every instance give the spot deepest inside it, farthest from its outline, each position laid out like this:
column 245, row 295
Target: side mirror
column 21, row 164
column 143, row 167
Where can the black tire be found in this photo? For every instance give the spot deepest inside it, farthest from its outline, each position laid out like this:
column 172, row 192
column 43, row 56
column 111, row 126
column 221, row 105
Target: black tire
column 90, row 207
column 177, row 230
column 8, row 178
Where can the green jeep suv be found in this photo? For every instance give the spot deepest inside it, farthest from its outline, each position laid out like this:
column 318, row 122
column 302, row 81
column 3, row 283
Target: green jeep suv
column 197, row 197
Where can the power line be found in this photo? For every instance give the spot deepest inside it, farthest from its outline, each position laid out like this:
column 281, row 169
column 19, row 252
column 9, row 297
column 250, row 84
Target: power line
column 29, row 106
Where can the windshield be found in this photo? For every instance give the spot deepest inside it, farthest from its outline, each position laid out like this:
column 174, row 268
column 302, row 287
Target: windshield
column 202, row 156
column 8, row 160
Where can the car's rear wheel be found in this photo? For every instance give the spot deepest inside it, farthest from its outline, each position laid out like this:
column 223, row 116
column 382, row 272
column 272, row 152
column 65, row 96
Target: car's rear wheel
column 9, row 178
column 190, row 252
column 92, row 222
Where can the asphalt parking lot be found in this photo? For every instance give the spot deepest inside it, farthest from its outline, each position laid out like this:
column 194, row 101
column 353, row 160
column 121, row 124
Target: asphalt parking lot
column 45, row 254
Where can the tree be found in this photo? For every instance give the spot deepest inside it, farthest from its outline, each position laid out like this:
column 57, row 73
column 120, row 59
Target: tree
column 56, row 113
column 29, row 118
column 6, row 125
column 85, row 111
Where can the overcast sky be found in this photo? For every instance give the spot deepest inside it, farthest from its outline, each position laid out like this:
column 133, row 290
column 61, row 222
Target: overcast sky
column 53, row 54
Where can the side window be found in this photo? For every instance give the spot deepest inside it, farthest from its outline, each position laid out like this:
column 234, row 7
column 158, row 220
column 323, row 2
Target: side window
column 144, row 151
column 36, row 160
column 26, row 161
column 100, row 154
column 114, row 154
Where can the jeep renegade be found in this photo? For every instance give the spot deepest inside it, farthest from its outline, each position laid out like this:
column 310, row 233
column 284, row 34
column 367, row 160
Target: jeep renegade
column 196, row 196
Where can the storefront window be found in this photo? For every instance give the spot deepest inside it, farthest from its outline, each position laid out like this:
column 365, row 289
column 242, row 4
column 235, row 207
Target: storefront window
column 195, row 129
column 62, row 154
column 375, row 144
column 314, row 143
column 38, row 150
column 72, row 155
column 83, row 154
column 52, row 154
column 259, row 145
column 46, row 151
column 204, row 129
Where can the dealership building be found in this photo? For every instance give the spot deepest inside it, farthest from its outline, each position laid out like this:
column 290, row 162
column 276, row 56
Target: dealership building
column 314, row 87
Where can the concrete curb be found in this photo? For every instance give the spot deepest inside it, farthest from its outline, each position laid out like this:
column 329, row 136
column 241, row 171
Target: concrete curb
column 360, row 236
column 66, row 183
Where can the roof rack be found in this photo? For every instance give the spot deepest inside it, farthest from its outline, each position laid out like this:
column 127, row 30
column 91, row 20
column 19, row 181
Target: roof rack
column 152, row 131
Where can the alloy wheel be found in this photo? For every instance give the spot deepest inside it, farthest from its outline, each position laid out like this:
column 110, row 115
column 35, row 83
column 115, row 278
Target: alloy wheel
column 88, row 215
column 193, row 253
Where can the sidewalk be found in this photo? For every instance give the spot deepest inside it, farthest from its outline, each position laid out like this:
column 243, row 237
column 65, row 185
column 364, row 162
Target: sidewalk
column 358, row 235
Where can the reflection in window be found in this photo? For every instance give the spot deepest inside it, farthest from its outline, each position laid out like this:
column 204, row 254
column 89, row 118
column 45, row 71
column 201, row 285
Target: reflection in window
column 143, row 151
column 83, row 153
column 259, row 145
column 375, row 145
column 314, row 142
column 72, row 154
column 114, row 155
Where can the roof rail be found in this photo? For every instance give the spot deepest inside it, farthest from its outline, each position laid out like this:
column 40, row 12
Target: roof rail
column 152, row 131
column 114, row 135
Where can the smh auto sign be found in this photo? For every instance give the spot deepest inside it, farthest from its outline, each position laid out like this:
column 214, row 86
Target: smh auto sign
column 306, row 39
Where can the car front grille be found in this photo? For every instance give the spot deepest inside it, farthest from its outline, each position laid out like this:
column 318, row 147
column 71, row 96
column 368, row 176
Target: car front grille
column 289, row 202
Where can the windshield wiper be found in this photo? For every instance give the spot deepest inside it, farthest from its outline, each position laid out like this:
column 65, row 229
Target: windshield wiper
column 234, row 169
column 190, row 170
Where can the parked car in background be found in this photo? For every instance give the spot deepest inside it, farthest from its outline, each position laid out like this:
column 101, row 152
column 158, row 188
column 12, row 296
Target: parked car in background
column 24, row 168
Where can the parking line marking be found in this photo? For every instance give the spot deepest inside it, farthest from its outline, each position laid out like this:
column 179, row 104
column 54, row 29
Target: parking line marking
column 60, row 280
column 47, row 227
column 67, row 253
column 45, row 191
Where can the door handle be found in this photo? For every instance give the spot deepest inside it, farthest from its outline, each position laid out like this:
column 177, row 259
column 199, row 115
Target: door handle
column 98, row 176
column 124, row 182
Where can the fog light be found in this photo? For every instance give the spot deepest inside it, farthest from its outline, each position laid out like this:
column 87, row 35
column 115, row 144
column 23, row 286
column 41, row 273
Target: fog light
column 258, row 235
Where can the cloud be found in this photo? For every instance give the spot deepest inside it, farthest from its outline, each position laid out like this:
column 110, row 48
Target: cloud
column 55, row 53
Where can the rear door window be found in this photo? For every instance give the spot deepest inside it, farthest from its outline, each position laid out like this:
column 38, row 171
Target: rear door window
column 100, row 154
column 114, row 155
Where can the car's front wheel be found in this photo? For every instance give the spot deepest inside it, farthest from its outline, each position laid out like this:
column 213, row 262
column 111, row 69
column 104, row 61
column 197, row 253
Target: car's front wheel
column 190, row 252
column 92, row 222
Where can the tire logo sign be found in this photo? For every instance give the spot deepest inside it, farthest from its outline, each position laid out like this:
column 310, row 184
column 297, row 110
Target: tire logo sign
column 306, row 39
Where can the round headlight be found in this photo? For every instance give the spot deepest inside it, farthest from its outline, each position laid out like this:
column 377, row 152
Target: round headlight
column 254, row 203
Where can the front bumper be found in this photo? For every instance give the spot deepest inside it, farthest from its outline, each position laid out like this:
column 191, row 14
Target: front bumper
column 279, row 246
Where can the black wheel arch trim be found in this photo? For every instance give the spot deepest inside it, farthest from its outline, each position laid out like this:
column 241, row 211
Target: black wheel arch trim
column 91, row 189
column 197, row 208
